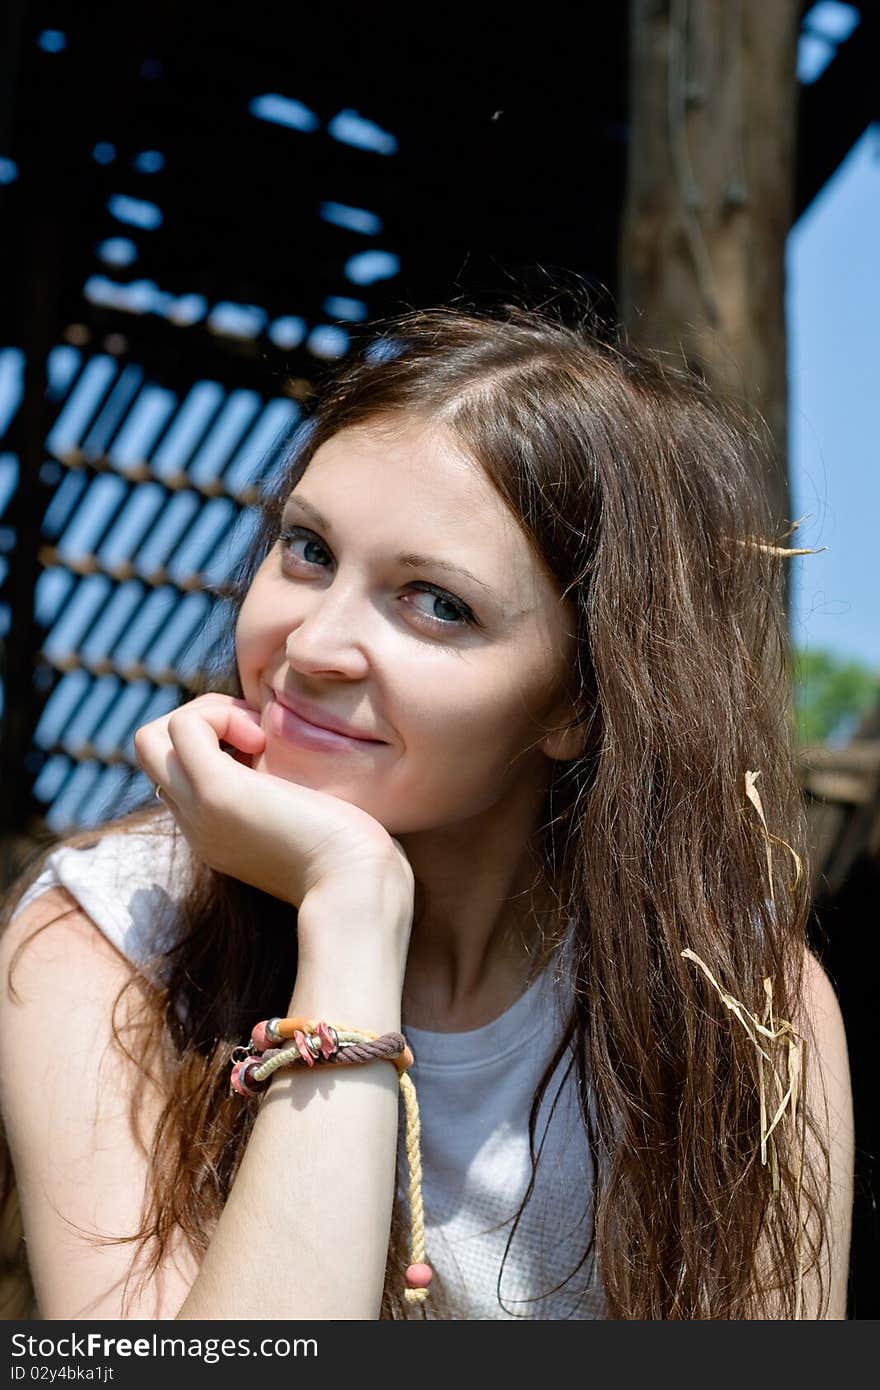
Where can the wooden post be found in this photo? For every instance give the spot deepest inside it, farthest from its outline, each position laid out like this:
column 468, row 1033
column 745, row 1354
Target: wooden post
column 710, row 196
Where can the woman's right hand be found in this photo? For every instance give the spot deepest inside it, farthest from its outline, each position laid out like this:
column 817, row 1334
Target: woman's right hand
column 324, row 855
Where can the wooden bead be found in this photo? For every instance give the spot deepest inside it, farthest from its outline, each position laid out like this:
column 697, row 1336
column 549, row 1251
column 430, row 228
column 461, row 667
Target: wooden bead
column 260, row 1038
column 419, row 1276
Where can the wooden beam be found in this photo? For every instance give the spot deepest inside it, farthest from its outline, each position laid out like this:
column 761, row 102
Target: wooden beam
column 713, row 100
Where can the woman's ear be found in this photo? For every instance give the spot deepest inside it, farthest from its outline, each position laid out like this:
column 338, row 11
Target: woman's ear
column 566, row 740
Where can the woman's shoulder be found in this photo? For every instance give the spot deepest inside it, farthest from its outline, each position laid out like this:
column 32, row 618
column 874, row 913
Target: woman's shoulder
column 829, row 1099
column 128, row 881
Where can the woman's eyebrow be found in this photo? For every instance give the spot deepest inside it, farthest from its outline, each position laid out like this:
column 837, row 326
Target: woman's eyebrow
column 408, row 558
column 309, row 510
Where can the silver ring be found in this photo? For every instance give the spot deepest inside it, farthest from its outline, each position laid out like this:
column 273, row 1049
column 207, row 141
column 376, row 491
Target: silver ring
column 158, row 792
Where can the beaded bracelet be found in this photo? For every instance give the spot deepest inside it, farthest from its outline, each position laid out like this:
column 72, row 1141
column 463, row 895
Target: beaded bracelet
column 287, row 1042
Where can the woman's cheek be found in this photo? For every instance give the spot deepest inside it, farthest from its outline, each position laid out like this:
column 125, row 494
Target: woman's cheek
column 258, row 661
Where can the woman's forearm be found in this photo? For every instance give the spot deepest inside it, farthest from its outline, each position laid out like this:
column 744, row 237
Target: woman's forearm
column 304, row 1233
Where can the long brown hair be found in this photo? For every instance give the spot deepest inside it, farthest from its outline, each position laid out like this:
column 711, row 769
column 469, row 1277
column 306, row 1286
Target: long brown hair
column 641, row 493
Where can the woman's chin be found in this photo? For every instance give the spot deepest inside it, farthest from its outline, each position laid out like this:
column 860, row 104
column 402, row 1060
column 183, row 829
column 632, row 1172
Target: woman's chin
column 286, row 765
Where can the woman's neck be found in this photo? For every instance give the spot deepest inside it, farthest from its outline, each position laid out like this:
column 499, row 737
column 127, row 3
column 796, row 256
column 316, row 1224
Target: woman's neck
column 481, row 918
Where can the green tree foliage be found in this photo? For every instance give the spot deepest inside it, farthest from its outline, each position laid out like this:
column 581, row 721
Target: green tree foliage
column 830, row 695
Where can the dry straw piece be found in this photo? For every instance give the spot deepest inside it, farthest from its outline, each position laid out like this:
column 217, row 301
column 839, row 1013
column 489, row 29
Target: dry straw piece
column 769, row 1035
column 781, row 549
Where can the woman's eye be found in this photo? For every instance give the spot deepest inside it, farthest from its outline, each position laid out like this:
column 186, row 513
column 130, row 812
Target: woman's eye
column 296, row 533
column 461, row 616
column 448, row 612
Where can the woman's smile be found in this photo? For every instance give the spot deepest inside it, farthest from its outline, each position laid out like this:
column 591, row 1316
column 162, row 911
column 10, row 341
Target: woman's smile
column 285, row 724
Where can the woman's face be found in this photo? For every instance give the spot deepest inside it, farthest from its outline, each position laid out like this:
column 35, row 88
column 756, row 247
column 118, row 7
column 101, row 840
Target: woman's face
column 365, row 615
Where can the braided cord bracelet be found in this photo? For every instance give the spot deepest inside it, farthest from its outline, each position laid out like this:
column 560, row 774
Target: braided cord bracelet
column 288, row 1042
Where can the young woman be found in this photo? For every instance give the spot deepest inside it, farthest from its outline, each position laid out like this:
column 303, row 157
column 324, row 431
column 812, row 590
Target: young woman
column 502, row 759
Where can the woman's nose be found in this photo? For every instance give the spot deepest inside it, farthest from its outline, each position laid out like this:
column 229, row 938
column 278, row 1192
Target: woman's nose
column 328, row 635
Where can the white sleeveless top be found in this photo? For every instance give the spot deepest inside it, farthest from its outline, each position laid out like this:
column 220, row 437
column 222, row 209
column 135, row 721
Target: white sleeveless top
column 474, row 1089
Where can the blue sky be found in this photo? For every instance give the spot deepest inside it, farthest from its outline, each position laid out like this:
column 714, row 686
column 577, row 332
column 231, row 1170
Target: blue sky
column 833, row 312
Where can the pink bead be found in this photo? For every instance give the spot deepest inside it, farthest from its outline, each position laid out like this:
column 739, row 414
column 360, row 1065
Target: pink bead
column 419, row 1276
column 241, row 1079
column 260, row 1038
column 300, row 1039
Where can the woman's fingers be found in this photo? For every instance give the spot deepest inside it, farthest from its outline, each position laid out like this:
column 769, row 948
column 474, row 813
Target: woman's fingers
column 155, row 753
column 195, row 735
column 245, row 730
column 269, row 831
column 215, row 717
column 243, row 733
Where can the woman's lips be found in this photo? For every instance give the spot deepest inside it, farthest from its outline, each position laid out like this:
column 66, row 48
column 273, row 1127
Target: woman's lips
column 284, row 724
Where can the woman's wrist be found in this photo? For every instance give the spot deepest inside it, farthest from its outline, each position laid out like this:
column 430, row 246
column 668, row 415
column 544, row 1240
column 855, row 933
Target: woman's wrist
column 352, row 948
column 365, row 919
column 345, row 997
